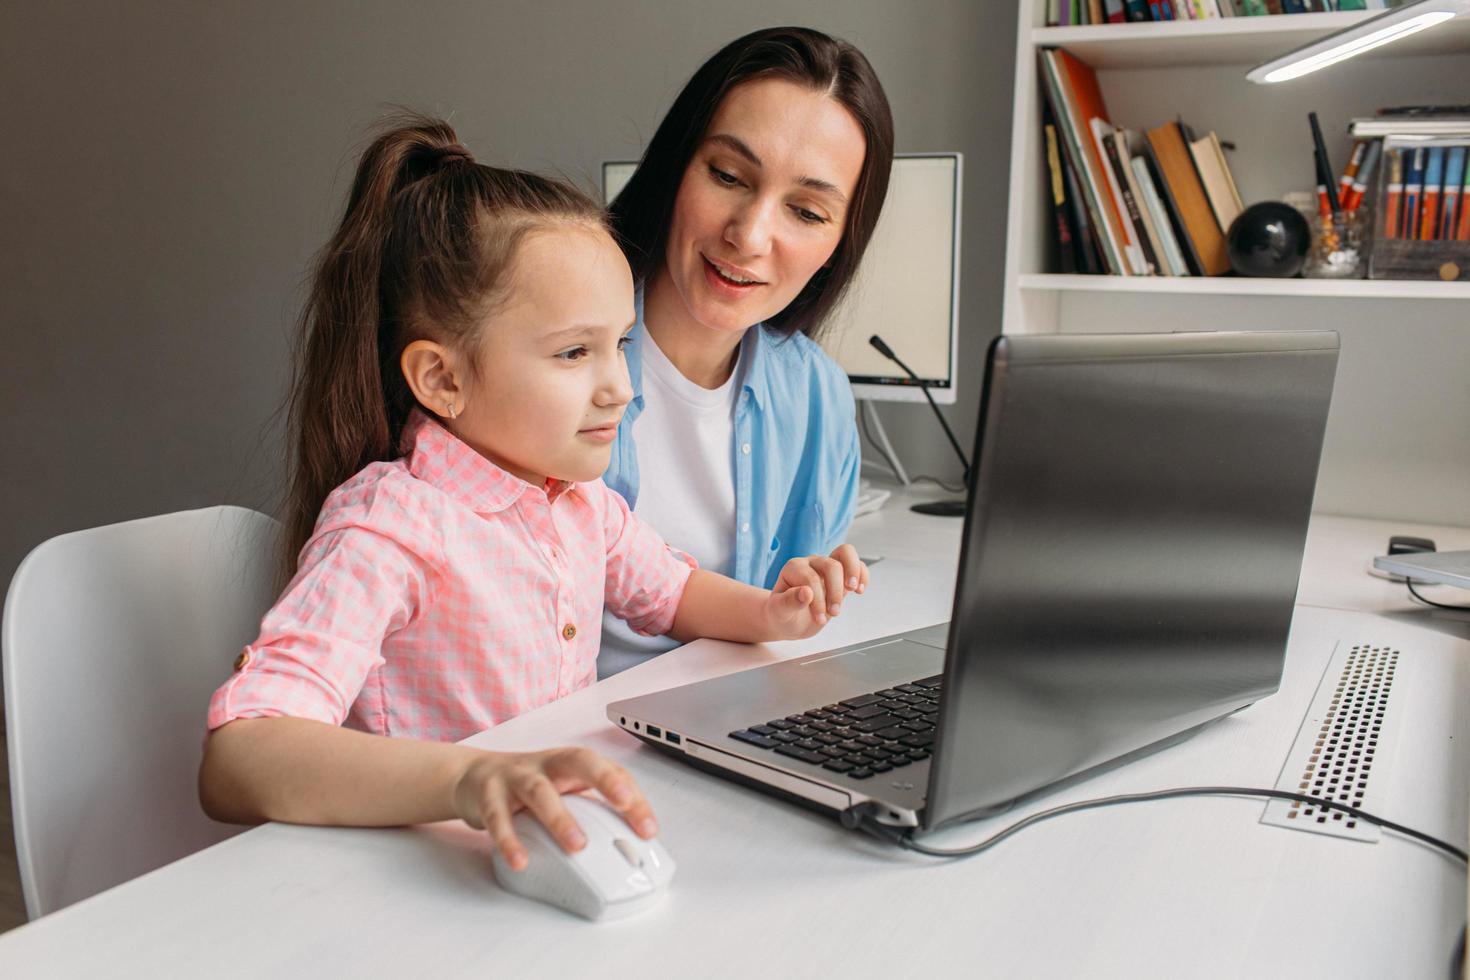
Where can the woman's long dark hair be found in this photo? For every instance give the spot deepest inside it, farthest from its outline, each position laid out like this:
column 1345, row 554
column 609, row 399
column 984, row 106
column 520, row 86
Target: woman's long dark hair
column 643, row 211
column 423, row 252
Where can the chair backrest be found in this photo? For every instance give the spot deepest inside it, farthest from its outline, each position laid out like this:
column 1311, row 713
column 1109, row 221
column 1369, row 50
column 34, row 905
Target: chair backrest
column 113, row 640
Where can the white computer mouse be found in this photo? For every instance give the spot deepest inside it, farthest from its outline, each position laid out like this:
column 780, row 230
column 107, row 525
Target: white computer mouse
column 618, row 873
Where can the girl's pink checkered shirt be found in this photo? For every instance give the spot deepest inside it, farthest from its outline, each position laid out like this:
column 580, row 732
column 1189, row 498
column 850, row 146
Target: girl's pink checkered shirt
column 440, row 595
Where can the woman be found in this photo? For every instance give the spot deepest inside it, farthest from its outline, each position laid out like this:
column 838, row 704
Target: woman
column 744, row 223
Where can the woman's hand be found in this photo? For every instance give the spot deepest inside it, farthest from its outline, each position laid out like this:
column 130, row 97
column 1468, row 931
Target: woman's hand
column 495, row 785
column 810, row 590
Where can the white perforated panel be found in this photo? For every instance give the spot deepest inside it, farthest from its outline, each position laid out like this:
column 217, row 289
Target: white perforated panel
column 1344, row 746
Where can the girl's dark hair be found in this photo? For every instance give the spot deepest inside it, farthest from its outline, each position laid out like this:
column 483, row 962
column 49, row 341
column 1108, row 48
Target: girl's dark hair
column 643, row 211
column 424, row 251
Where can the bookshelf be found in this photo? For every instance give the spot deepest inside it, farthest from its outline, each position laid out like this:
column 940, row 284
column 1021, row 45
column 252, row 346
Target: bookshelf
column 1394, row 444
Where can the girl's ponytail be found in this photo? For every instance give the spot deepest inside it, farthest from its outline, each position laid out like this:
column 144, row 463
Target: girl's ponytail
column 421, row 252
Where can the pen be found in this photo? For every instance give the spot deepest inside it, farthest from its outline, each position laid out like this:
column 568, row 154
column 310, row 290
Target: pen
column 1365, row 174
column 1324, row 163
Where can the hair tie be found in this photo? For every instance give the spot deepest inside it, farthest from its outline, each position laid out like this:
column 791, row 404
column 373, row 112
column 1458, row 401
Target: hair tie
column 454, row 152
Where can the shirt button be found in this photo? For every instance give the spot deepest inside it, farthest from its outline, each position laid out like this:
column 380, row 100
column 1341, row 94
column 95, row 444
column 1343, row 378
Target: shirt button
column 568, row 631
column 745, row 448
column 243, row 660
column 745, row 528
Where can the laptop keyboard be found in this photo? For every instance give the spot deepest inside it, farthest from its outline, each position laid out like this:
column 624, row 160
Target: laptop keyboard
column 856, row 738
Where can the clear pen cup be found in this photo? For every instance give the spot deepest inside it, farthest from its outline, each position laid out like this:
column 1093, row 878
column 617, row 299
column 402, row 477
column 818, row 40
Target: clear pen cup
column 1339, row 247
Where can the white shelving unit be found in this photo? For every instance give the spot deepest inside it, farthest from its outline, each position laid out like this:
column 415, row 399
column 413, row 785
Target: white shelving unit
column 1395, row 445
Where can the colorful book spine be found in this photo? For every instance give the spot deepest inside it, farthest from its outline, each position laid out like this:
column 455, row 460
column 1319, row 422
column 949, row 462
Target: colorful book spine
column 1173, row 255
column 1413, row 190
column 1453, row 199
column 1136, row 10
column 1429, row 197
column 1462, row 229
column 1150, row 262
column 1393, row 194
column 1113, row 12
column 1463, row 225
column 1066, row 250
column 1255, row 8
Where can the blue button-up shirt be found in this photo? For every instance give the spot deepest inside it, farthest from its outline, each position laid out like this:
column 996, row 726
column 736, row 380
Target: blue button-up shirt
column 796, row 451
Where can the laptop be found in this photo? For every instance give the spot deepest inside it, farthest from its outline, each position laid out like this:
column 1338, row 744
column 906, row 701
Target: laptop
column 1128, row 568
column 1432, row 567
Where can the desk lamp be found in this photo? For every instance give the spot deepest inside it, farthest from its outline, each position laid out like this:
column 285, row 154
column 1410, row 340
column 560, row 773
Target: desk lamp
column 1374, row 32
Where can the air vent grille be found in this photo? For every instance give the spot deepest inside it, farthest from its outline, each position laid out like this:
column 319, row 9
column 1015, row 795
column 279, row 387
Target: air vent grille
column 1344, row 745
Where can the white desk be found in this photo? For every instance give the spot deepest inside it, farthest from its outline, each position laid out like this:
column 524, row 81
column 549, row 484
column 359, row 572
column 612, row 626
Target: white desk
column 1195, row 887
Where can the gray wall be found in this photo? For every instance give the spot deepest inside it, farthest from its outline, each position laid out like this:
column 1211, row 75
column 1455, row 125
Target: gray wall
column 171, row 167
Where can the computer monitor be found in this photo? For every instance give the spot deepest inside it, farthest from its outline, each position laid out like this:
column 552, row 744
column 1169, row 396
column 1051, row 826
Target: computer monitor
column 907, row 290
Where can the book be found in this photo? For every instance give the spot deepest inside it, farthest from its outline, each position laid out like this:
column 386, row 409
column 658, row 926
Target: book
column 1146, row 259
column 1255, row 8
column 1088, row 251
column 1393, row 192
column 1453, row 199
column 1462, row 228
column 1171, row 253
column 1413, row 190
column 1102, row 132
column 1066, row 244
column 1149, row 233
column 1447, row 126
column 1095, row 12
column 1214, row 174
column 1181, row 189
column 1071, row 86
column 1429, row 198
column 1113, row 12
column 1136, row 10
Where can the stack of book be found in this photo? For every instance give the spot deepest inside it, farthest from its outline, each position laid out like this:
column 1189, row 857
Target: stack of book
column 1425, row 179
column 1065, row 13
column 1130, row 204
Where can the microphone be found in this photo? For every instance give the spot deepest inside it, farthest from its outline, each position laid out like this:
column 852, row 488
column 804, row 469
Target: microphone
column 887, row 352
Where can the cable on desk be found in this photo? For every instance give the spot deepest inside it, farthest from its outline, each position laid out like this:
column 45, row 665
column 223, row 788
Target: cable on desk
column 1430, row 602
column 861, row 818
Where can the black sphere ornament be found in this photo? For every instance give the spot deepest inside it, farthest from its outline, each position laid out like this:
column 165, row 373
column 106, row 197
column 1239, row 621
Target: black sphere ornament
column 1268, row 240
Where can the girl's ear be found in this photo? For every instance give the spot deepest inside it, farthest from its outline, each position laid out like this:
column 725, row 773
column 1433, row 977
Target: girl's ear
column 433, row 375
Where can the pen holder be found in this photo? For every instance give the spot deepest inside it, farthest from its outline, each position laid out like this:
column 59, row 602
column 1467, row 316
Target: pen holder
column 1339, row 246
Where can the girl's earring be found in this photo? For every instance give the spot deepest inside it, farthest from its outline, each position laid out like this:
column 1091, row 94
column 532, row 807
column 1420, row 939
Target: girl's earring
column 450, row 409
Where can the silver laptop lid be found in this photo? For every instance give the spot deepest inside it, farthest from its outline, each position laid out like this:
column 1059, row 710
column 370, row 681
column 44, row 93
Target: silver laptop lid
column 1131, row 549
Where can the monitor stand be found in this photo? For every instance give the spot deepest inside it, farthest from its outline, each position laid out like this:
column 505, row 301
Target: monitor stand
column 934, row 508
column 894, row 466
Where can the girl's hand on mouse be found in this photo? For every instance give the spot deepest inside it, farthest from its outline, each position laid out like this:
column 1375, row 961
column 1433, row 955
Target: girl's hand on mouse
column 810, row 590
column 495, row 785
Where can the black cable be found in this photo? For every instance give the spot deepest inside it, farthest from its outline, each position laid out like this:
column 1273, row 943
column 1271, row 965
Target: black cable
column 1430, row 602
column 904, row 837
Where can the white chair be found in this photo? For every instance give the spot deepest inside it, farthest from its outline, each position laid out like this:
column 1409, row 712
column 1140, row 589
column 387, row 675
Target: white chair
column 113, row 640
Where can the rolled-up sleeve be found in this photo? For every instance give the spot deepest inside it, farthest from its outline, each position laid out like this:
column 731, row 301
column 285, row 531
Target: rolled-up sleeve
column 645, row 576
column 324, row 636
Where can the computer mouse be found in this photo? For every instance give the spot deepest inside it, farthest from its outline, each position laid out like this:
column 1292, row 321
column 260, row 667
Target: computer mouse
column 617, row 874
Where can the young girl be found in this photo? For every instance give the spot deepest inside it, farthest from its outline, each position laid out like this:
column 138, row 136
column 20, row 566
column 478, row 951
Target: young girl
column 462, row 356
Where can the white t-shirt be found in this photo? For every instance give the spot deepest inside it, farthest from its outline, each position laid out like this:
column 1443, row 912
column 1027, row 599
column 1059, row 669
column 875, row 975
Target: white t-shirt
column 686, row 480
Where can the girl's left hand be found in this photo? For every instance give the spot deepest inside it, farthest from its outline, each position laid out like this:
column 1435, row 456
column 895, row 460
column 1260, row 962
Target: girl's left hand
column 810, row 590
